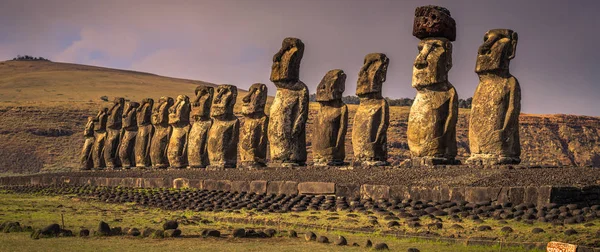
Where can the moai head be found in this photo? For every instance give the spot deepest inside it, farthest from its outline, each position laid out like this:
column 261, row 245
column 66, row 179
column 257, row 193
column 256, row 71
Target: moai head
column 129, row 115
column 286, row 62
column 179, row 113
column 433, row 62
column 434, row 21
column 255, row 100
column 202, row 102
column 118, row 102
column 498, row 48
column 100, row 120
column 372, row 74
column 224, row 100
column 332, row 86
column 144, row 111
column 160, row 113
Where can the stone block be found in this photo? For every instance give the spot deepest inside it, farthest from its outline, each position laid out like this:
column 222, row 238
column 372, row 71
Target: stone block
column 516, row 195
column 374, row 191
column 476, row 194
column 282, row 187
column 316, row 188
column 258, row 186
column 240, row 186
column 218, row 185
column 347, row 190
column 457, row 193
column 181, row 183
column 399, row 192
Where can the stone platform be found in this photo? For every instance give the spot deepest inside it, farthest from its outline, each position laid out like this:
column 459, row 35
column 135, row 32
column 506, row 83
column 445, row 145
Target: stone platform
column 539, row 186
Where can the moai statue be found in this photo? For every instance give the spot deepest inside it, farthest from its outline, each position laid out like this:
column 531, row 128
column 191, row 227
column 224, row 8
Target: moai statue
column 369, row 130
column 331, row 123
column 113, row 130
column 253, row 134
column 223, row 135
column 87, row 162
column 128, row 135
column 431, row 129
column 144, row 134
column 162, row 132
column 494, row 124
column 100, row 131
column 197, row 142
column 179, row 119
column 289, row 111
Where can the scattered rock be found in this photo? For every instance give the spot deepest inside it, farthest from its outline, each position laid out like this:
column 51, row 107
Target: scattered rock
column 413, row 250
column 484, row 228
column 158, row 234
column 134, row 232
column 292, row 234
column 84, row 233
column 393, row 224
column 172, row 233
column 310, row 236
column 147, row 232
column 170, row 225
column 103, row 229
column 368, row 244
column 239, row 233
column 116, row 231
column 323, row 239
column 212, row 233
column 341, row 241
column 456, row 226
column 537, row 231
column 506, row 230
column 354, row 244
column 570, row 232
column 270, row 232
column 381, row 246
column 51, row 230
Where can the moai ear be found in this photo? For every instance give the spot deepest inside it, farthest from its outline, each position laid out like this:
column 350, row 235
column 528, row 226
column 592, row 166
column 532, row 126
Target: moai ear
column 385, row 62
column 513, row 43
column 448, row 55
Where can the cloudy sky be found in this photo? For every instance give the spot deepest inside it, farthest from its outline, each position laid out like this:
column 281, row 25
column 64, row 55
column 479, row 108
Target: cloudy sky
column 233, row 41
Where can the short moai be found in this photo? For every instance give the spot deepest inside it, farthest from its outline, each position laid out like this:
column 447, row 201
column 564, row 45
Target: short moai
column 100, row 139
column 198, row 138
column 494, row 123
column 179, row 119
column 87, row 162
column 289, row 110
column 223, row 135
column 331, row 122
column 128, row 135
column 113, row 136
column 433, row 115
column 253, row 132
column 162, row 132
column 372, row 118
column 144, row 134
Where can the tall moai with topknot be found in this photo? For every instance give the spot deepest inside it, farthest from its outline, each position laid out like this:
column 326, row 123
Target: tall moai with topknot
column 331, row 123
column 253, row 131
column 179, row 119
column 372, row 118
column 432, row 120
column 100, row 139
column 87, row 162
column 289, row 110
column 494, row 122
column 144, row 134
column 113, row 136
column 128, row 135
column 198, row 138
column 162, row 132
column 223, row 135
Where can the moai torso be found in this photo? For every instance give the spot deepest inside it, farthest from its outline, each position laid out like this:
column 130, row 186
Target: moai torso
column 369, row 130
column 144, row 134
column 113, row 136
column 223, row 135
column 494, row 122
column 179, row 119
column 130, row 129
column 289, row 111
column 87, row 162
column 331, row 123
column 198, row 138
column 432, row 120
column 100, row 139
column 253, row 132
column 162, row 132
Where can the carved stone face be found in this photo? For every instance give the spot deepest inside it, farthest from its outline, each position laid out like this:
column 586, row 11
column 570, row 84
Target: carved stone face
column 498, row 48
column 433, row 62
column 255, row 100
column 202, row 102
column 224, row 100
column 180, row 111
column 434, row 21
column 129, row 115
column 286, row 62
column 100, row 120
column 119, row 101
column 160, row 113
column 372, row 74
column 144, row 112
column 332, row 86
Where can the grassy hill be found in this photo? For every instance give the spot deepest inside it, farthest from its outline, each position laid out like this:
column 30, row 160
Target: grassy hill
column 44, row 106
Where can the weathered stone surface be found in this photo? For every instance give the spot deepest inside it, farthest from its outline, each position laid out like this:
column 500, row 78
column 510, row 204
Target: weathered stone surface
column 560, row 247
column 100, row 139
column 434, row 21
column 113, row 130
column 144, row 134
column 181, row 183
column 347, row 190
column 223, row 135
column 494, row 121
column 331, row 123
column 240, row 186
column 282, row 187
column 432, row 120
column 198, row 137
column 162, row 131
column 316, row 188
column 218, row 185
column 86, row 160
column 289, row 110
column 258, row 186
column 372, row 118
column 253, row 133
column 179, row 119
column 129, row 131
column 374, row 191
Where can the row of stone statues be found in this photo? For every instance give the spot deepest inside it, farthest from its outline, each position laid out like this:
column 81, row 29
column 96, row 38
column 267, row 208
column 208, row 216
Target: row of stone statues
column 160, row 136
